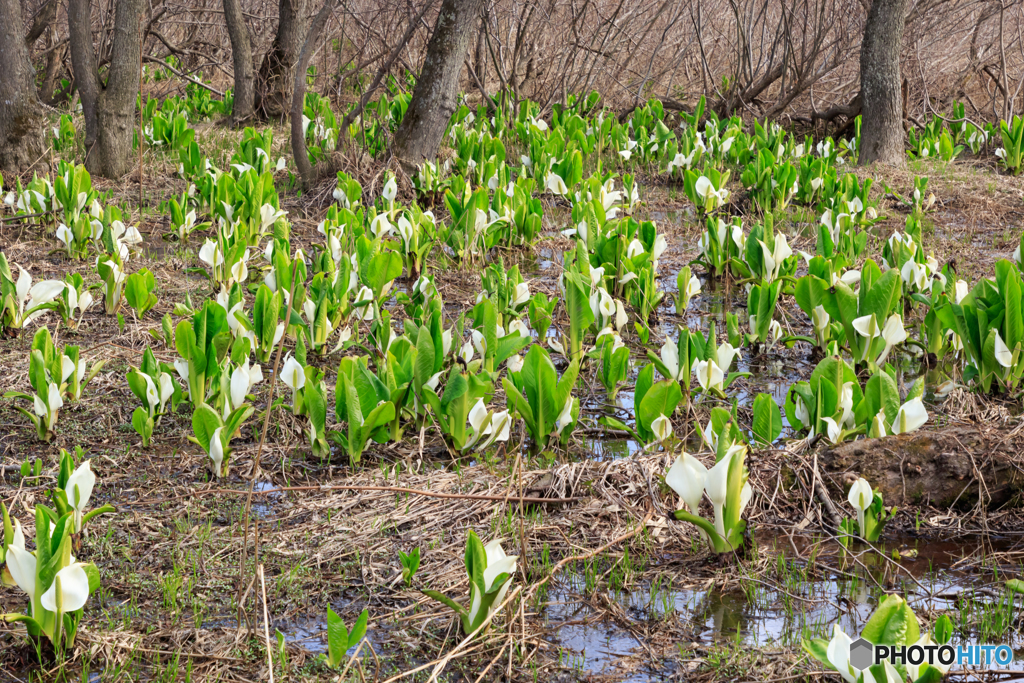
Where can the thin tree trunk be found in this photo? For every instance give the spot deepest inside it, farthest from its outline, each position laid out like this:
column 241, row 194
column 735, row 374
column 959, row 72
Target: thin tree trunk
column 83, row 62
column 109, row 109
column 299, row 154
column 241, row 54
column 274, row 81
column 46, row 15
column 21, row 130
column 882, row 137
column 46, row 90
column 479, row 60
column 433, row 99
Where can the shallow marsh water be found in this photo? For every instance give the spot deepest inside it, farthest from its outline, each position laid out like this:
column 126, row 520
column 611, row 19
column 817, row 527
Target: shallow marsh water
column 779, row 612
column 816, row 584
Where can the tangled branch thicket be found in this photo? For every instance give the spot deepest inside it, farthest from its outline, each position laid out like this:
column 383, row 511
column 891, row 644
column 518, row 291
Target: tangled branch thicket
column 766, row 58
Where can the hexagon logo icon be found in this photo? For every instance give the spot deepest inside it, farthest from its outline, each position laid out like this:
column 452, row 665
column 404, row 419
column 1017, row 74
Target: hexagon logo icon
column 861, row 654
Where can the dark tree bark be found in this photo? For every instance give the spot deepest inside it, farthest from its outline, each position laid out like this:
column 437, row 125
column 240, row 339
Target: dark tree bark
column 21, row 130
column 433, row 99
column 274, row 81
column 44, row 18
column 83, row 63
column 882, row 137
column 299, row 154
column 44, row 24
column 480, row 59
column 47, row 90
column 241, row 54
column 109, row 109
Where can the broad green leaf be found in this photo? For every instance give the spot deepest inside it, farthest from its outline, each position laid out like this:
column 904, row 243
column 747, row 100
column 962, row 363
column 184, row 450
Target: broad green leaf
column 769, row 297
column 380, row 415
column 661, row 399
column 358, row 629
column 315, row 406
column 942, row 630
column 518, row 402
column 882, row 295
column 424, row 367
column 143, row 424
column 137, row 384
column 540, row 381
column 337, row 638
column 818, row 648
column 810, row 292
column 236, row 418
column 881, row 393
column 380, row 270
column 767, row 424
column 205, row 420
column 1014, row 322
column 475, row 560
column 565, row 384
column 893, row 623
column 353, row 409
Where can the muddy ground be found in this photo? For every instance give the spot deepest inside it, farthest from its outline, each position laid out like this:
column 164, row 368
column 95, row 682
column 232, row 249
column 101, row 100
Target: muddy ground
column 609, row 588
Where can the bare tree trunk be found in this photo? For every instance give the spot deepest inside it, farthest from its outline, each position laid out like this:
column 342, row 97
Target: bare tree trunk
column 479, row 60
column 241, row 54
column 274, row 81
column 299, row 154
column 53, row 63
column 46, row 15
column 109, row 109
column 433, row 99
column 21, row 130
column 83, row 63
column 882, row 137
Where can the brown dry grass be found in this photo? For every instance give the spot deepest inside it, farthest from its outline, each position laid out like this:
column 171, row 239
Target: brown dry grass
column 170, row 557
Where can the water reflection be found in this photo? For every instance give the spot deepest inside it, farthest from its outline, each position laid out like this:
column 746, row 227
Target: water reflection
column 263, row 505
column 609, row 449
column 802, row 596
